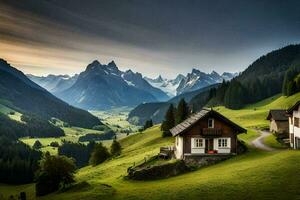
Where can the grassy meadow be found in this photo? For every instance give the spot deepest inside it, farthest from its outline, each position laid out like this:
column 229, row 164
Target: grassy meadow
column 14, row 115
column 254, row 175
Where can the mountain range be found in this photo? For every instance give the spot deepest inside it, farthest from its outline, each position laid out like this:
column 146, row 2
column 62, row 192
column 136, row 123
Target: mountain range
column 262, row 79
column 191, row 82
column 54, row 83
column 21, row 94
column 103, row 86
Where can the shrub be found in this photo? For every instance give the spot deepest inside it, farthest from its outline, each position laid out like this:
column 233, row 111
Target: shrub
column 97, row 137
column 80, row 152
column 99, row 154
column 37, row 145
column 101, row 128
column 54, row 172
column 54, row 144
column 115, row 148
column 148, row 124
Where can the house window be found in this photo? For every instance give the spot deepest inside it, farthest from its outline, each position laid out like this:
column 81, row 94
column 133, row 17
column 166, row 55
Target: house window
column 198, row 143
column 210, row 123
column 223, row 142
column 177, row 141
column 296, row 122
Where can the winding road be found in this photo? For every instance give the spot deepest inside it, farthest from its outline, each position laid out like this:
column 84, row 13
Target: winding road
column 259, row 142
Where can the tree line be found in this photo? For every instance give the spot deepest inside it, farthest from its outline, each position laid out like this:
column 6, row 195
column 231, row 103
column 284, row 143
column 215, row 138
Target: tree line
column 291, row 83
column 174, row 116
column 56, row 172
column 31, row 126
column 18, row 161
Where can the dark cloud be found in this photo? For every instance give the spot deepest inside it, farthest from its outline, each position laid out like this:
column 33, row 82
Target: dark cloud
column 171, row 35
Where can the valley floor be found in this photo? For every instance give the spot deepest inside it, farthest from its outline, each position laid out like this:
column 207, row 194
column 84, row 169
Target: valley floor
column 257, row 174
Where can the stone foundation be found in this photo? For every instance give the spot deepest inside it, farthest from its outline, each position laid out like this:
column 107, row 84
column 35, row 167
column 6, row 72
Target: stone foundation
column 204, row 160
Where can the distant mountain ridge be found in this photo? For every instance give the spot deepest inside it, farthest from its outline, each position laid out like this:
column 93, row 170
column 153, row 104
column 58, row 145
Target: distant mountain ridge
column 54, row 83
column 28, row 97
column 191, row 82
column 103, row 86
column 156, row 110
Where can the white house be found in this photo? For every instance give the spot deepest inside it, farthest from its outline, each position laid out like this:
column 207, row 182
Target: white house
column 294, row 125
column 206, row 132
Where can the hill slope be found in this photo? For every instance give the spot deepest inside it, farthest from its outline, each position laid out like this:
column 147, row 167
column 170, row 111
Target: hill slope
column 25, row 96
column 156, row 111
column 238, row 177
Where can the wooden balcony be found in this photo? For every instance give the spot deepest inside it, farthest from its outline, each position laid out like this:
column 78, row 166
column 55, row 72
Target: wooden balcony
column 212, row 132
column 166, row 152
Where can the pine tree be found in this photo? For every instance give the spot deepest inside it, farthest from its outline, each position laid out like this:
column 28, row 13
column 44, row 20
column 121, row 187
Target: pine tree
column 234, row 96
column 169, row 121
column 148, row 124
column 37, row 145
column 99, row 154
column 182, row 111
column 115, row 148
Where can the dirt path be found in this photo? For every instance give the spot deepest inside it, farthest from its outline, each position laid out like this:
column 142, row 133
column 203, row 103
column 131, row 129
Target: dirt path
column 259, row 142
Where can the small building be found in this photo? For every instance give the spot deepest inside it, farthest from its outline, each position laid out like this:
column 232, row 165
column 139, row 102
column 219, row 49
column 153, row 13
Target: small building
column 279, row 121
column 206, row 133
column 294, row 125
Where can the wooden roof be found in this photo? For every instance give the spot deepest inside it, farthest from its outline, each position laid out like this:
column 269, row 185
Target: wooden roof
column 292, row 108
column 278, row 115
column 189, row 122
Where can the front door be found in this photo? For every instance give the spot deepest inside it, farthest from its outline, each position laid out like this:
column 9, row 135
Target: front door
column 209, row 144
column 297, row 143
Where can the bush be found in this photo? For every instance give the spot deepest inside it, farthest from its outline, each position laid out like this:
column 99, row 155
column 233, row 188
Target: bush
column 101, row 128
column 241, row 147
column 54, row 172
column 115, row 148
column 80, row 152
column 37, row 145
column 54, row 144
column 97, row 137
column 148, row 124
column 99, row 154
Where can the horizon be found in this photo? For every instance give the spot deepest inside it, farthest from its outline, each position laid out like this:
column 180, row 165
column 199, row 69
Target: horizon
column 153, row 38
column 123, row 70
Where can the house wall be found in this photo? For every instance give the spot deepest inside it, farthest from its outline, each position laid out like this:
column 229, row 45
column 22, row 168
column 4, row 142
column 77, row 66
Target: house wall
column 273, row 126
column 294, row 130
column 279, row 126
column 196, row 131
column 179, row 147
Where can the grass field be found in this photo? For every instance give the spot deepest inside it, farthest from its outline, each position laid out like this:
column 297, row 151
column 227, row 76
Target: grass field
column 254, row 116
column 116, row 119
column 254, row 175
column 72, row 134
column 10, row 113
column 272, row 142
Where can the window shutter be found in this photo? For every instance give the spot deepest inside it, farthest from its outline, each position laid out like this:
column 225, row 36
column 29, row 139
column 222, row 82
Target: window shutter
column 192, row 142
column 229, row 142
column 216, row 143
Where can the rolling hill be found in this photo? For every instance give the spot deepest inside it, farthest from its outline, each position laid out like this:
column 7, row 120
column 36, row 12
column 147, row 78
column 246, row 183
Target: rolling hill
column 23, row 95
column 156, row 111
column 236, row 178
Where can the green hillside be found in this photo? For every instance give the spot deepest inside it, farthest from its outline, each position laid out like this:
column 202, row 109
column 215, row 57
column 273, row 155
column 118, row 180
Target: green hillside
column 254, row 115
column 254, row 175
column 12, row 114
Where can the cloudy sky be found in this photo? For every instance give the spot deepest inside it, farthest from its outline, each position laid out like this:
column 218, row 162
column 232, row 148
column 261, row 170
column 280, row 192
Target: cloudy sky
column 152, row 36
